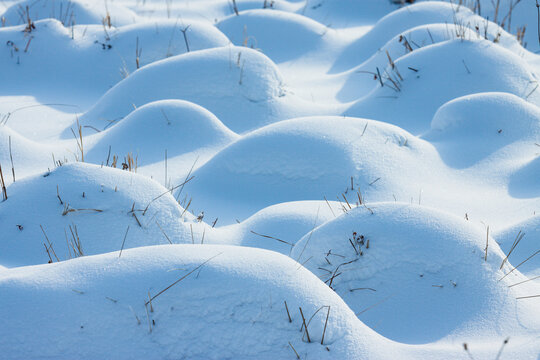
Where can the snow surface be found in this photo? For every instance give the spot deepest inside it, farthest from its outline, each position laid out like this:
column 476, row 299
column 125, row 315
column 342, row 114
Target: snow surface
column 182, row 177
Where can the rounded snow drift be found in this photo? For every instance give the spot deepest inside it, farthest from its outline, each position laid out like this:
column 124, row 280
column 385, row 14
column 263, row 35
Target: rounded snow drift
column 201, row 302
column 305, row 159
column 402, row 268
column 471, row 128
column 241, row 86
column 79, row 209
column 443, row 72
column 175, row 126
column 68, row 12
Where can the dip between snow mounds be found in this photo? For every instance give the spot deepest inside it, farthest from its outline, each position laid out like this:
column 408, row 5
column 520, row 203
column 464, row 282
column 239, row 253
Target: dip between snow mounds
column 308, row 159
column 69, row 12
column 346, row 13
column 422, row 277
column 176, row 126
column 525, row 235
column 241, row 86
column 281, row 35
column 27, row 154
column 524, row 183
column 276, row 227
column 493, row 127
column 445, row 71
column 91, row 60
column 93, row 202
column 232, row 307
column 210, row 11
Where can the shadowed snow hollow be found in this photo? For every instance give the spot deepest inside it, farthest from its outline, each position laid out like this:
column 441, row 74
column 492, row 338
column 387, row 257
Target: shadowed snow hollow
column 292, row 35
column 277, row 227
column 524, row 183
column 345, row 13
column 26, row 154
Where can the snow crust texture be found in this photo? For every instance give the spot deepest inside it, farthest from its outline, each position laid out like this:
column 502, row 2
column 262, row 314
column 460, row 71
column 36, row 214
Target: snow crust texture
column 281, row 179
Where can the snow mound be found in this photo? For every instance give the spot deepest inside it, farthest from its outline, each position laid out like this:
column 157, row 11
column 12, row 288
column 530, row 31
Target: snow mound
column 471, row 128
column 529, row 232
column 240, row 85
column 230, row 304
column 306, row 130
column 175, row 126
column 307, row 159
column 159, row 40
column 291, row 36
column 464, row 67
column 29, row 61
column 93, row 57
column 87, row 205
column 358, row 83
column 420, row 266
column 68, row 12
column 457, row 20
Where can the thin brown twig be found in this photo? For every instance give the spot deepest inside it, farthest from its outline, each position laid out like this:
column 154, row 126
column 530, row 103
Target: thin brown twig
column 271, row 237
column 288, row 314
column 11, row 158
column 521, row 263
column 527, row 297
column 3, row 185
column 157, row 197
column 163, row 231
column 182, row 278
column 524, row 281
column 518, row 238
column 292, row 347
column 50, row 244
column 304, row 324
column 325, row 323
column 123, row 242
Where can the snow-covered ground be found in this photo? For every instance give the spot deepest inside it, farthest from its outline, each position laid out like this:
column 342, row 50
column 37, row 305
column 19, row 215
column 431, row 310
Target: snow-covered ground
column 269, row 179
